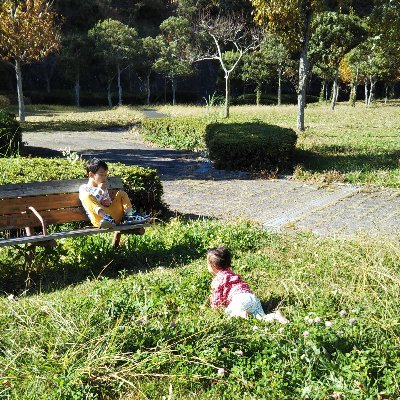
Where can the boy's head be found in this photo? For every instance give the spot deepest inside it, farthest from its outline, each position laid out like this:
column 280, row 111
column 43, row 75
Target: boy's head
column 218, row 258
column 97, row 171
column 94, row 164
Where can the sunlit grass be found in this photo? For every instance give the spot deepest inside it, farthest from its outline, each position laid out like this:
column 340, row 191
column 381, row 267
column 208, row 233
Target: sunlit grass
column 359, row 145
column 151, row 333
column 51, row 117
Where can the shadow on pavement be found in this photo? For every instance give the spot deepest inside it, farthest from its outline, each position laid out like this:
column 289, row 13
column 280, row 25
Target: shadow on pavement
column 170, row 164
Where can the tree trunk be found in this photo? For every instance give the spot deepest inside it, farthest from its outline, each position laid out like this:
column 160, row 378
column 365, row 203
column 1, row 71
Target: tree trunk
column 48, row 88
column 77, row 92
column 301, row 95
column 148, row 88
column 326, row 92
column 306, row 8
column 165, row 90
column 279, row 86
column 21, row 104
column 334, row 91
column 353, row 104
column 366, row 91
column 227, row 95
column 258, row 94
column 322, row 92
column 119, row 85
column 173, row 91
column 109, row 94
column 372, row 91
column 386, row 94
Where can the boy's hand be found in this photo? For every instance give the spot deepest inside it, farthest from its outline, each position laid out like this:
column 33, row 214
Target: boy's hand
column 105, row 202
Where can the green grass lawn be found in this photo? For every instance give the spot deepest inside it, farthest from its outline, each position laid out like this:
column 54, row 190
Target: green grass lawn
column 43, row 117
column 147, row 332
column 354, row 145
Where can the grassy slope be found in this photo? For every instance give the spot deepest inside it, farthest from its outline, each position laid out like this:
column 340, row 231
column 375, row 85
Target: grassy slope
column 150, row 333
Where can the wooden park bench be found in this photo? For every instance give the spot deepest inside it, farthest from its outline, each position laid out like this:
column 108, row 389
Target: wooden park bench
column 28, row 206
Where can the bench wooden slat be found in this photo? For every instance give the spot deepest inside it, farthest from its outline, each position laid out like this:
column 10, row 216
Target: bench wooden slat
column 48, row 202
column 75, row 233
column 15, row 221
column 50, row 187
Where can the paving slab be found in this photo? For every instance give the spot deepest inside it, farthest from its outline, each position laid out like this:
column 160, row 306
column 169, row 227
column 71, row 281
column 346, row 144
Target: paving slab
column 193, row 187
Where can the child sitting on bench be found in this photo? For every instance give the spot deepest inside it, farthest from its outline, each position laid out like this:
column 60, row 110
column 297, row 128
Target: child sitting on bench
column 101, row 210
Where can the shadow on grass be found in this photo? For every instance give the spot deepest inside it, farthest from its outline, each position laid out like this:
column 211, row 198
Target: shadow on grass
column 341, row 161
column 91, row 257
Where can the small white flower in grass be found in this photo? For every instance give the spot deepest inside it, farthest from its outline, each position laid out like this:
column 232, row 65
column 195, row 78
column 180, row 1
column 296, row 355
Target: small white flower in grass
column 328, row 324
column 308, row 319
column 239, row 353
column 343, row 313
column 317, row 320
column 339, row 332
column 255, row 328
column 306, row 333
column 221, row 371
column 281, row 329
column 10, row 297
column 352, row 321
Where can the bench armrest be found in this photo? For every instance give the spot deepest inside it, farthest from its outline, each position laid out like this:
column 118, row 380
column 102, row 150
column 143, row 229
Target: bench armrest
column 40, row 218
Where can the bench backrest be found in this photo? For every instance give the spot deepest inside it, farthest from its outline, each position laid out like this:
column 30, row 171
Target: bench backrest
column 56, row 201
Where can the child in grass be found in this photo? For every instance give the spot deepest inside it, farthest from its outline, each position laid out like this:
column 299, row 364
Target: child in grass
column 101, row 210
column 230, row 291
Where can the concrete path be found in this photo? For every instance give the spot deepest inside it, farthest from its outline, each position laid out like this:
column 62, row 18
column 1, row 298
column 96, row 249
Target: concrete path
column 193, row 187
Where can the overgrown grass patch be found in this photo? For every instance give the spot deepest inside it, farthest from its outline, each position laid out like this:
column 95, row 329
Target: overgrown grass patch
column 151, row 333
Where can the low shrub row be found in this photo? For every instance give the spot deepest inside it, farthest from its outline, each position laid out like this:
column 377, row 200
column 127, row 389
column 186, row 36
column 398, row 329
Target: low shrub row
column 10, row 134
column 253, row 146
column 239, row 144
column 177, row 132
column 143, row 185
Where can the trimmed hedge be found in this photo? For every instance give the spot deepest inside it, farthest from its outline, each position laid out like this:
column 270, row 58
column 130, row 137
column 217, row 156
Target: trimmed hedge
column 182, row 133
column 143, row 185
column 253, row 146
column 10, row 134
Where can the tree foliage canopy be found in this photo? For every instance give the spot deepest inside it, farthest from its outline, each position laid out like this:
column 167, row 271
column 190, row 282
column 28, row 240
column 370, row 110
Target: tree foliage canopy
column 28, row 30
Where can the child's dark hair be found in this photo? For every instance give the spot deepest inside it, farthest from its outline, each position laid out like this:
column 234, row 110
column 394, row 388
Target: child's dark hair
column 94, row 164
column 219, row 257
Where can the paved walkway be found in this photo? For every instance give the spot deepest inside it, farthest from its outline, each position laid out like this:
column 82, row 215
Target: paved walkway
column 192, row 186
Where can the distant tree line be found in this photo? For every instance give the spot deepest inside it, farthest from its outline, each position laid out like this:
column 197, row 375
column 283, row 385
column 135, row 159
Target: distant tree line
column 106, row 45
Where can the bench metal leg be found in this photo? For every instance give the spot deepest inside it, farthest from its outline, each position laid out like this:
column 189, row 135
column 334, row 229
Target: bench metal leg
column 117, row 235
column 116, row 239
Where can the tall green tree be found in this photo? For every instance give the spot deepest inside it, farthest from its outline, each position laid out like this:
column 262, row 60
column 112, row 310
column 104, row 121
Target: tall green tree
column 116, row 44
column 278, row 58
column 333, row 35
column 256, row 68
column 175, row 60
column 291, row 20
column 151, row 48
column 75, row 57
column 28, row 32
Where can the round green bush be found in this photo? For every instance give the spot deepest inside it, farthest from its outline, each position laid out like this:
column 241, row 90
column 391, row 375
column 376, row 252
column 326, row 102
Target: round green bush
column 10, row 134
column 253, row 146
